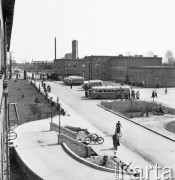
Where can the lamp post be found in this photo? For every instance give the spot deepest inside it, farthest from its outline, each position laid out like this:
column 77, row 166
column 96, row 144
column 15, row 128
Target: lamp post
column 51, row 109
column 131, row 93
column 156, row 82
column 59, row 109
column 36, row 100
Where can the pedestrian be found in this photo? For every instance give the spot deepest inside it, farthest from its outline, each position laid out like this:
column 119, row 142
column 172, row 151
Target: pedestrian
column 129, row 96
column 126, row 96
column 165, row 90
column 116, row 142
column 133, row 94
column 138, row 95
column 155, row 92
column 118, row 127
column 71, row 85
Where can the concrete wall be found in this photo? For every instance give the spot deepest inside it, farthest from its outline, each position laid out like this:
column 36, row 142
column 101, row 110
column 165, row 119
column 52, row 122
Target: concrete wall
column 27, row 173
column 77, row 147
column 55, row 127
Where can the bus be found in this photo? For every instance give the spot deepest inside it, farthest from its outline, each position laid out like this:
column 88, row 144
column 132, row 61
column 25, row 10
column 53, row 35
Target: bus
column 93, row 83
column 108, row 92
column 74, row 80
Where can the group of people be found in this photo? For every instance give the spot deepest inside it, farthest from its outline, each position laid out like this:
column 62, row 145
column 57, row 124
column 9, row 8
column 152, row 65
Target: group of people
column 154, row 94
column 135, row 95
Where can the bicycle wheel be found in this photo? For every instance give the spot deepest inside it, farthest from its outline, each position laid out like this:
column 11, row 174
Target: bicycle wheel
column 100, row 140
column 88, row 140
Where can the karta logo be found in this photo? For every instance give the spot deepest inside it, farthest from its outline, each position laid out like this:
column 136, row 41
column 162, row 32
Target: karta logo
column 149, row 173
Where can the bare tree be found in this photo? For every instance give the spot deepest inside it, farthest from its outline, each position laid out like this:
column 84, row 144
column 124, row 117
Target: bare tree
column 169, row 57
column 128, row 53
column 150, row 53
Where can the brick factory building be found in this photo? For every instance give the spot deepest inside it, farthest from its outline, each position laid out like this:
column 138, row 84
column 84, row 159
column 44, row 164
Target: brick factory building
column 141, row 71
column 149, row 76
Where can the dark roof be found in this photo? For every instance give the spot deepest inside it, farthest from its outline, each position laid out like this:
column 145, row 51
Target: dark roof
column 153, row 67
column 137, row 57
column 8, row 11
column 99, row 56
column 64, row 59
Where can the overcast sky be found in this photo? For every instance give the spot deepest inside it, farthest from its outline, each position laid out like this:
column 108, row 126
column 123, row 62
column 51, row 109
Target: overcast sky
column 101, row 27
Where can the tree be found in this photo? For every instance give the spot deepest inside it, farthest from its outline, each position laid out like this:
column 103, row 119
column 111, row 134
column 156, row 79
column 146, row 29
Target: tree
column 150, row 53
column 169, row 57
column 128, row 53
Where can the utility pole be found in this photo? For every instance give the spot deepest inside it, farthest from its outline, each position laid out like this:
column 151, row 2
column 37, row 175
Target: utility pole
column 10, row 68
column 55, row 48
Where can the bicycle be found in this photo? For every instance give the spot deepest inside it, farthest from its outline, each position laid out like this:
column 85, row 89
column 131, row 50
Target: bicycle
column 94, row 138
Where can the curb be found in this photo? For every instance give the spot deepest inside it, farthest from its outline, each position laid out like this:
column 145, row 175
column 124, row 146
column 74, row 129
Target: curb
column 90, row 164
column 135, row 122
column 84, row 161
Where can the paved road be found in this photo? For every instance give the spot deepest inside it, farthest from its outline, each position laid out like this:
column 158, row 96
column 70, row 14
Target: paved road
column 148, row 145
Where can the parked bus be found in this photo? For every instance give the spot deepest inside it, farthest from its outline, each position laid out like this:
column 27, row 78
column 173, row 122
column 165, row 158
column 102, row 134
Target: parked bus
column 74, row 80
column 84, row 85
column 109, row 92
column 93, row 83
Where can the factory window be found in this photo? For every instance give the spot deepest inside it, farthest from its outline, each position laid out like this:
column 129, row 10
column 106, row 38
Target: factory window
column 97, row 61
column 120, row 73
column 140, row 75
column 83, row 64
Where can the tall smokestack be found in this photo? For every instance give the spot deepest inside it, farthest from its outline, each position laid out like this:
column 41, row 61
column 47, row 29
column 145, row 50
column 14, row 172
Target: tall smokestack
column 55, row 49
column 74, row 49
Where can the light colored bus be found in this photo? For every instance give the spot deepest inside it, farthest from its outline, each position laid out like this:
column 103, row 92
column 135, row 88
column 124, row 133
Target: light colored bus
column 93, row 83
column 109, row 92
column 74, row 80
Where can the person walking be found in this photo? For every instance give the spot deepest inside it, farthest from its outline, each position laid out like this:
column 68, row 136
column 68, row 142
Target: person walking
column 138, row 95
column 118, row 127
column 116, row 142
column 155, row 92
column 71, row 85
column 165, row 90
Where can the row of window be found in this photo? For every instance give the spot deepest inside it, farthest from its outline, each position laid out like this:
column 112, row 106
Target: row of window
column 137, row 75
column 118, row 73
column 132, row 74
column 120, row 62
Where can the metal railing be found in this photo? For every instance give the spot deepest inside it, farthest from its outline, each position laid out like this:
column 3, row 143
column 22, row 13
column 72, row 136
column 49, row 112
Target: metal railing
column 6, row 134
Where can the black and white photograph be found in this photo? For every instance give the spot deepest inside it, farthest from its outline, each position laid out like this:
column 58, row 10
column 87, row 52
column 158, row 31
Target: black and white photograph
column 87, row 90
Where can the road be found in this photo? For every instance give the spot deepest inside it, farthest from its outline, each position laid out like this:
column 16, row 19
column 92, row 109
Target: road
column 150, row 146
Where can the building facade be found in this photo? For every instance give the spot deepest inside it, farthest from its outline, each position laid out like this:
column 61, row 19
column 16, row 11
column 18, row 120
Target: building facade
column 149, row 76
column 41, row 66
column 138, row 70
column 6, row 22
column 120, row 65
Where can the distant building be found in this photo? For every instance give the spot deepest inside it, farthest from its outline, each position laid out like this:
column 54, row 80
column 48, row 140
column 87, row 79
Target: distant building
column 74, row 49
column 120, row 65
column 152, row 76
column 138, row 70
column 38, row 66
column 68, row 56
